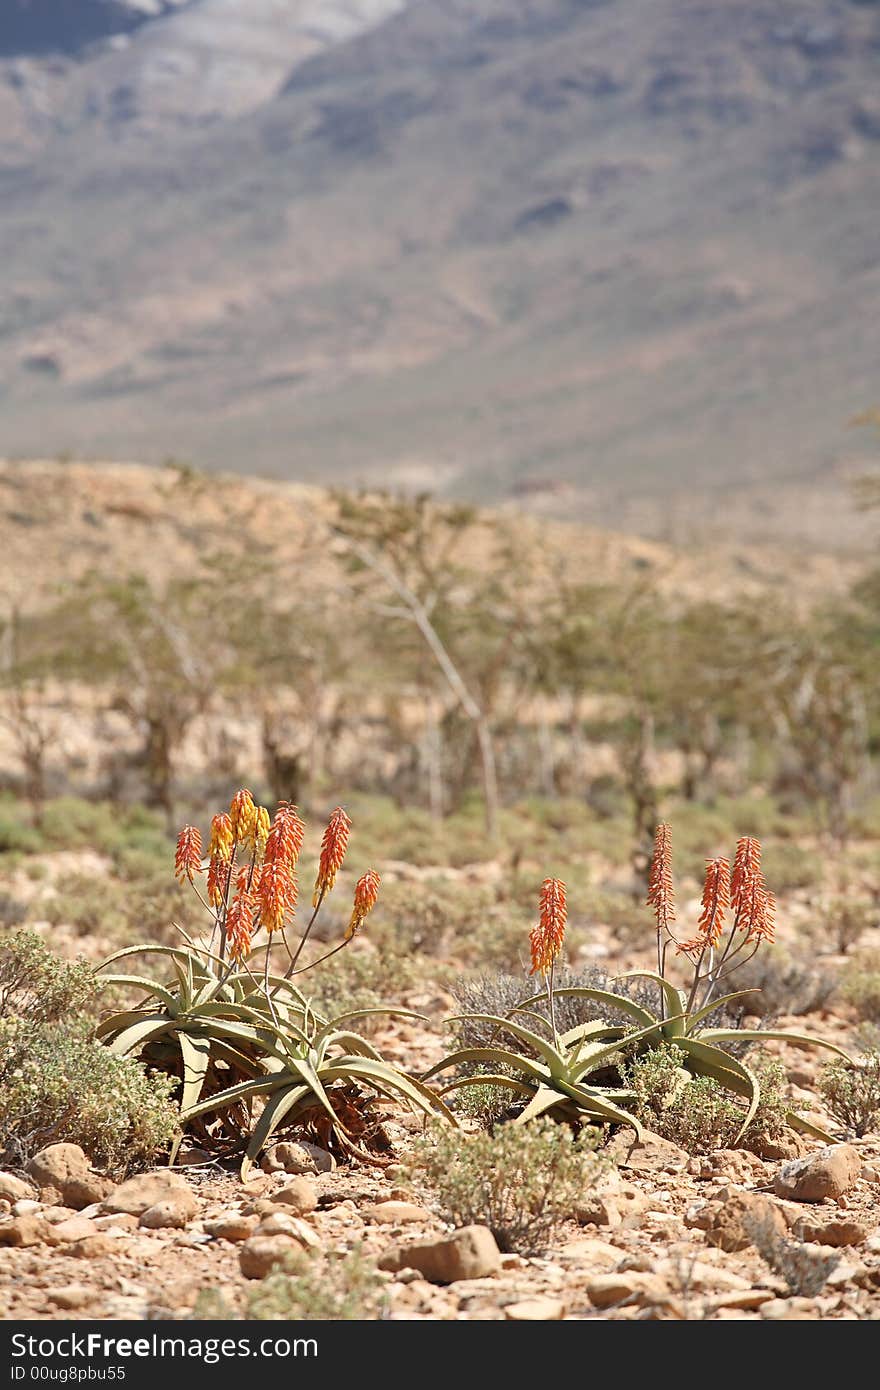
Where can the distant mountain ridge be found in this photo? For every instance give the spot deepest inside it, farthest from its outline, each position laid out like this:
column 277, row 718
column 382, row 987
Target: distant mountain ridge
column 612, row 258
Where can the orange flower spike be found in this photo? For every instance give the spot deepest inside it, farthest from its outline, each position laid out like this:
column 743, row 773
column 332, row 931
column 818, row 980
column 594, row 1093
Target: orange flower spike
column 221, row 839
column 716, row 901
column 188, row 856
column 240, row 925
column 277, row 895
column 546, row 939
column 661, row 893
column 333, row 847
column 285, row 838
column 366, row 893
column 218, row 875
column 242, row 813
column 746, row 865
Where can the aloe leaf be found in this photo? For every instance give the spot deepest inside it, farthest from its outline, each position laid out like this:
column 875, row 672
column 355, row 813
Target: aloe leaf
column 327, row 1028
column 594, row 1102
column 140, row 982
column 672, row 996
column 196, row 1054
column 554, row 1059
column 709, row 1009
column 353, row 1042
column 804, row 1126
column 383, row 1074
column 717, row 1035
column 242, row 1090
column 600, row 996
column 711, row 1061
column 589, row 1030
column 544, row 1099
column 498, row 1056
column 273, row 1113
column 138, row 1033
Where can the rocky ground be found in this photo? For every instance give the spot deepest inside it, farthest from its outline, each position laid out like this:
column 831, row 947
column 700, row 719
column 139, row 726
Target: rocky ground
column 664, row 1235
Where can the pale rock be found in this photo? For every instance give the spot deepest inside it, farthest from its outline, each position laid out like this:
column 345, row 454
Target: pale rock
column 65, row 1169
column 75, row 1228
column 26, row 1207
column 262, row 1253
column 14, row 1189
column 280, row 1223
column 611, row 1202
column 746, row 1300
column 118, row 1221
column 72, row 1296
column 727, row 1221
column 171, row 1213
column 396, row 1213
column 469, row 1253
column 590, row 1253
column 789, row 1309
column 733, row 1165
column 24, row 1231
column 300, row 1157
column 830, row 1172
column 235, row 1226
column 536, row 1310
column 299, row 1196
column 95, row 1247
column 137, row 1194
column 833, row 1233
column 652, row 1155
column 628, row 1286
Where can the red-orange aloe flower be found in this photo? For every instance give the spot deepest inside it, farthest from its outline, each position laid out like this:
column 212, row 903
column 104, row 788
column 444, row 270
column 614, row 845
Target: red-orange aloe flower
column 333, row 847
column 285, row 837
column 277, row 894
column 188, row 856
column 366, row 892
column 661, row 893
column 546, row 939
column 715, row 903
column 746, row 867
column 240, row 924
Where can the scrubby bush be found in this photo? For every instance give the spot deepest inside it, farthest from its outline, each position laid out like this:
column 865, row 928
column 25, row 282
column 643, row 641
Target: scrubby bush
column 58, row 1085
column 36, row 985
column 851, row 1092
column 786, row 985
column 334, row 1287
column 698, row 1113
column 522, row 1183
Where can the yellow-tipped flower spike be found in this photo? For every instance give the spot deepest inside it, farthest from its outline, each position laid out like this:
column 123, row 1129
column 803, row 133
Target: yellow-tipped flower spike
column 261, row 831
column 240, row 925
column 277, row 894
column 242, row 813
column 221, row 839
column 366, row 892
column 286, row 836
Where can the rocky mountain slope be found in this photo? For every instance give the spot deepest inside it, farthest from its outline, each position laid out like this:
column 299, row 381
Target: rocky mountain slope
column 614, row 258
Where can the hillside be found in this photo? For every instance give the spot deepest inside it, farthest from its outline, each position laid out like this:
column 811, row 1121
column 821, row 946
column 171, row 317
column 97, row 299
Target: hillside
column 613, row 260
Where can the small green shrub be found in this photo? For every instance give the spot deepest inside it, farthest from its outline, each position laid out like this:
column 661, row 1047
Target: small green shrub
column 333, row 1288
column 698, row 1113
column 522, row 1183
column 789, row 866
column 36, row 985
column 58, row 1085
column 860, row 986
column 851, row 1093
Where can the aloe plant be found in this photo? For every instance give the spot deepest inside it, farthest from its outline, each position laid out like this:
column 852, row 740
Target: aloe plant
column 274, row 1047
